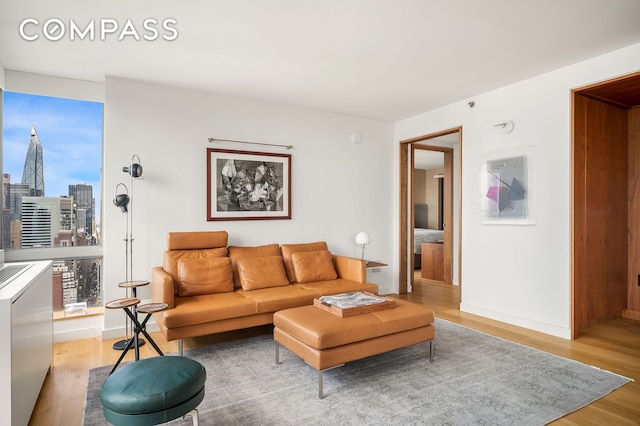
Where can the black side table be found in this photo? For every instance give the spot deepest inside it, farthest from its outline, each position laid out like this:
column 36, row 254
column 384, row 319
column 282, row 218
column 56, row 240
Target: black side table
column 130, row 307
column 130, row 286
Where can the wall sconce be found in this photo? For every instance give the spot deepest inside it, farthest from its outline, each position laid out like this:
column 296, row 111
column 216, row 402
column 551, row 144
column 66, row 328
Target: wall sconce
column 363, row 239
column 505, row 126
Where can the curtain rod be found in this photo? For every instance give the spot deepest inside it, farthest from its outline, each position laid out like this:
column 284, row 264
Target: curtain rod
column 250, row 143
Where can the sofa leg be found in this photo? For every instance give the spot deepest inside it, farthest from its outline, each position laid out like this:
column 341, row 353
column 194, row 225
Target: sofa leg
column 277, row 353
column 180, row 349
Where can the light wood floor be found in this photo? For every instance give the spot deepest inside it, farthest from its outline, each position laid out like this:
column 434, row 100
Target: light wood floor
column 614, row 346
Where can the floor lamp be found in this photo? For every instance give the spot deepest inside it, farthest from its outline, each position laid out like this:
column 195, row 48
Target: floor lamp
column 124, row 200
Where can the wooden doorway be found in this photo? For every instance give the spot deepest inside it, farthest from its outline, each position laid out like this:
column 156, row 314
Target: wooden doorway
column 407, row 149
column 605, row 233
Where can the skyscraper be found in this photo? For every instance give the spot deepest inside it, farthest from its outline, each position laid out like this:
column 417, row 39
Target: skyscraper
column 33, row 173
column 85, row 203
column 40, row 221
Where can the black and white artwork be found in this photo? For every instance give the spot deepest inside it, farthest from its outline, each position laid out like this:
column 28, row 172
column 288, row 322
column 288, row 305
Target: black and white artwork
column 244, row 185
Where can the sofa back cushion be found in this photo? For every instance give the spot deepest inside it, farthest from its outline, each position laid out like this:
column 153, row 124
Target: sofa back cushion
column 192, row 245
column 237, row 252
column 172, row 257
column 261, row 272
column 204, row 276
column 313, row 266
column 289, row 249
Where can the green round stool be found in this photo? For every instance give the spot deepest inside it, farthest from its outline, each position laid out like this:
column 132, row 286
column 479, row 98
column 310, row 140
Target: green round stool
column 153, row 390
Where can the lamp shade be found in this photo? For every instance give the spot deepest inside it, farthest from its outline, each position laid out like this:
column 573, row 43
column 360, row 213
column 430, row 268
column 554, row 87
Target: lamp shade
column 121, row 200
column 362, row 238
column 134, row 170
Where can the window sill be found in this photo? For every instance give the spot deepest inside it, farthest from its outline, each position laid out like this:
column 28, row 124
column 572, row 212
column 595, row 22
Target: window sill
column 90, row 312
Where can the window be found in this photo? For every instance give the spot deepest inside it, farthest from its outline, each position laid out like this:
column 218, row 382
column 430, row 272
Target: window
column 52, row 158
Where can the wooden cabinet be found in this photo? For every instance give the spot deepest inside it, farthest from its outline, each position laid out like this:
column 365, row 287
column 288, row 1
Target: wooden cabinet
column 433, row 261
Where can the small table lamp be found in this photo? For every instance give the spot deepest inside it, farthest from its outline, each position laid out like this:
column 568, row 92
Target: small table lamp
column 363, row 238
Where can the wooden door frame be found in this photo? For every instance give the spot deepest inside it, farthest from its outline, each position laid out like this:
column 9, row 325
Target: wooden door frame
column 608, row 91
column 406, row 199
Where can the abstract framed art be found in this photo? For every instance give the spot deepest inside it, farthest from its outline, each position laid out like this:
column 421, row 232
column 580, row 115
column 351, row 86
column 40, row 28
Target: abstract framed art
column 507, row 186
column 245, row 185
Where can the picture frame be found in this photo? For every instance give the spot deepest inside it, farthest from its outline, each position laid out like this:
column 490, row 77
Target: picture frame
column 247, row 185
column 507, row 187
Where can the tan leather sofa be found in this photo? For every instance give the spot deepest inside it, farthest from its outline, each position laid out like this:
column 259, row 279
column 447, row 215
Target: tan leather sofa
column 211, row 288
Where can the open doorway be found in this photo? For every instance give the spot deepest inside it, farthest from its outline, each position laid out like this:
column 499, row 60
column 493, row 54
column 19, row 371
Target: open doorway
column 428, row 214
column 412, row 211
column 605, row 203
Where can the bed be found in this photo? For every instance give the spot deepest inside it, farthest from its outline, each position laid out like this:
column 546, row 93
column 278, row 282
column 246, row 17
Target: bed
column 422, row 234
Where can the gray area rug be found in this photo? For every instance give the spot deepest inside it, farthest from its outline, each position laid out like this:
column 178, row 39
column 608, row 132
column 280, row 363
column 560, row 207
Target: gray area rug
column 474, row 379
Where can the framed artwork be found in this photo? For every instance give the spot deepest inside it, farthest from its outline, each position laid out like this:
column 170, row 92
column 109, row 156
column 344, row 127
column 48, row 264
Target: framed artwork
column 506, row 188
column 245, row 185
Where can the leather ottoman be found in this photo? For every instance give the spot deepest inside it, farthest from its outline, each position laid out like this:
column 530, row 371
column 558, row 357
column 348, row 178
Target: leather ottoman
column 153, row 391
column 324, row 340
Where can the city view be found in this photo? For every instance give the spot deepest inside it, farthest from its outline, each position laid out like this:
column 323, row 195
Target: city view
column 39, row 210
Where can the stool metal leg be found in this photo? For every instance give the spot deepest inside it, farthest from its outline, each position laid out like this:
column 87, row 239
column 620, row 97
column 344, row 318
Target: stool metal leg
column 194, row 416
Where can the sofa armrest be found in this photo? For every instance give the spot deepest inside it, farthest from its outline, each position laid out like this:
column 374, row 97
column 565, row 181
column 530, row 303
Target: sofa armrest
column 162, row 287
column 350, row 268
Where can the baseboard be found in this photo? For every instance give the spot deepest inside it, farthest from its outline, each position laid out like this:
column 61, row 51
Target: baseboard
column 88, row 327
column 114, row 333
column 631, row 314
column 564, row 333
column 386, row 289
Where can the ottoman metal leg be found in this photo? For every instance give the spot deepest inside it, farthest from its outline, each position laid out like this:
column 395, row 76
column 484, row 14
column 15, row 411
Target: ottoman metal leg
column 431, row 349
column 321, row 380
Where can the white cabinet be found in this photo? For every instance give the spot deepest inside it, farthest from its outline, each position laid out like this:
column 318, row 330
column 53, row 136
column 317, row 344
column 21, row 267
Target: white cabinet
column 26, row 341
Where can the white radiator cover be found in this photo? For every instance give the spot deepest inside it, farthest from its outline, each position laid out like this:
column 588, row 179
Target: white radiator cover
column 26, row 341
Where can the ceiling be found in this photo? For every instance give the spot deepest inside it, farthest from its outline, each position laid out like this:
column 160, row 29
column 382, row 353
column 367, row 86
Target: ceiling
column 381, row 59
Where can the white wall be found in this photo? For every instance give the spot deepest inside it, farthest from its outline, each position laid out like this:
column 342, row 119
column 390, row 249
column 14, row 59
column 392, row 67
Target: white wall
column 338, row 188
column 513, row 273
column 2, row 73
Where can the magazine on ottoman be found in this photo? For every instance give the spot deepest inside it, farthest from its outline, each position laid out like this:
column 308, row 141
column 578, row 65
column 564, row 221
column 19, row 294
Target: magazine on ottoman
column 354, row 303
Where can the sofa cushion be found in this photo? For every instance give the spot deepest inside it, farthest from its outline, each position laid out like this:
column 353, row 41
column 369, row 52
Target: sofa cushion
column 206, row 308
column 237, row 252
column 289, row 249
column 277, row 298
column 172, row 257
column 204, row 276
column 338, row 286
column 261, row 272
column 313, row 266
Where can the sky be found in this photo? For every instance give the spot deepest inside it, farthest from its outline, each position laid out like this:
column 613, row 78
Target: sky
column 70, row 132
